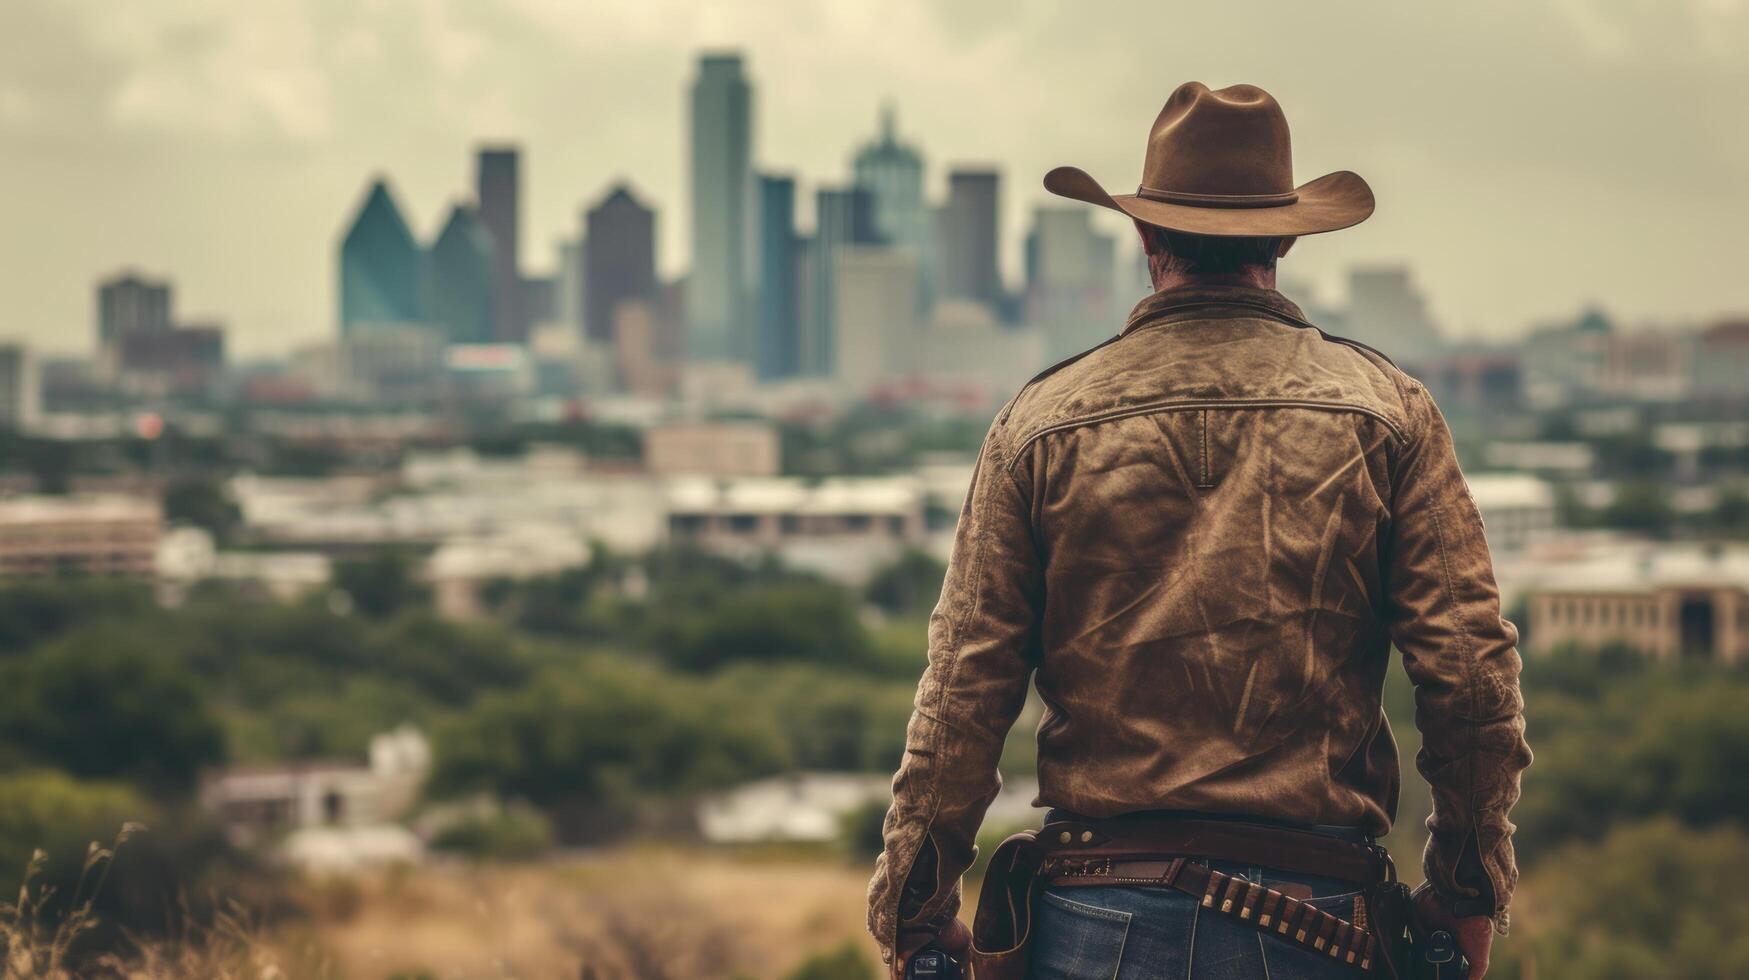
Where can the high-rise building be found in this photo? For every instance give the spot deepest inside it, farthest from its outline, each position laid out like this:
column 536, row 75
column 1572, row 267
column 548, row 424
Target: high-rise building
column 620, row 259
column 968, row 236
column 569, row 287
column 540, row 299
column 875, row 293
column 1069, row 279
column 379, row 265
column 893, row 173
column 778, row 324
column 842, row 217
column 461, row 294
column 130, row 303
column 20, row 398
column 498, row 188
column 718, row 288
column 1386, row 311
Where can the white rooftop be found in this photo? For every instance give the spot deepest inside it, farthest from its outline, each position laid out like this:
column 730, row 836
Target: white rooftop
column 783, row 495
column 1645, row 566
column 92, row 508
column 1510, row 491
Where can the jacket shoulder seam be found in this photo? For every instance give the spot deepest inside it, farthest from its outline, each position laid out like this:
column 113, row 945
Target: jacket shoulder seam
column 1062, row 422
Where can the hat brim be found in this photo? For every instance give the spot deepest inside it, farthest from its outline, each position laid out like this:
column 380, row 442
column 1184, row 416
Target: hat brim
column 1330, row 203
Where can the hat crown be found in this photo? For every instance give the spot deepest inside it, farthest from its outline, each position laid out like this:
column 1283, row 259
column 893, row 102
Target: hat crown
column 1223, row 143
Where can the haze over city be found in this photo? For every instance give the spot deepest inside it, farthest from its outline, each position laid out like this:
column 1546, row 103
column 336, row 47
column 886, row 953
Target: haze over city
column 1528, row 159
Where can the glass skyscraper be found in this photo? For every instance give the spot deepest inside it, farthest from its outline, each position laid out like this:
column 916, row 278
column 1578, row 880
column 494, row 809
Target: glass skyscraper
column 460, row 270
column 379, row 266
column 893, row 173
column 969, row 237
column 498, row 188
column 719, row 287
column 778, row 326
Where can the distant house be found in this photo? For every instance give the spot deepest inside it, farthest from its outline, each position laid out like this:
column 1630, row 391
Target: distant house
column 1517, row 508
column 257, row 802
column 810, row 806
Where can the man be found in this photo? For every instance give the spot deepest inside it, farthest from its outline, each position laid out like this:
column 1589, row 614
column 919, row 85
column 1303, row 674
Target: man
column 1202, row 539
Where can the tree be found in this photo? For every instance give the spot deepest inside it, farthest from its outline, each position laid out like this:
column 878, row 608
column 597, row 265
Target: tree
column 1640, row 506
column 600, row 737
column 801, row 621
column 383, row 582
column 203, row 504
column 99, row 706
column 912, row 584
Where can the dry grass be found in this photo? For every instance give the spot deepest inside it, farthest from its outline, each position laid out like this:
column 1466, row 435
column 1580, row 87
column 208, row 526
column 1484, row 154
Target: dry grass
column 637, row 914
column 647, row 913
column 37, row 945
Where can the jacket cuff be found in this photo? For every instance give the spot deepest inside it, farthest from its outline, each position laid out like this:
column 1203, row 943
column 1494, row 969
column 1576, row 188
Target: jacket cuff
column 1474, row 881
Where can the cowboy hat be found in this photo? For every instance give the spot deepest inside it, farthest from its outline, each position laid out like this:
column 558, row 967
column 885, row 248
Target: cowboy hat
column 1221, row 163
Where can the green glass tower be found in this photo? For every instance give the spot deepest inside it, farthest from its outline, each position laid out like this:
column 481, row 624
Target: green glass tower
column 379, row 266
column 459, row 296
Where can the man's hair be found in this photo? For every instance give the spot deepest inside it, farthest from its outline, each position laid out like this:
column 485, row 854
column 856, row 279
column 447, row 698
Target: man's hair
column 1183, row 252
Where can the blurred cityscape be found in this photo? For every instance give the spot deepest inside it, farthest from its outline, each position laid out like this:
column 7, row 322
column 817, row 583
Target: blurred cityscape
column 497, row 501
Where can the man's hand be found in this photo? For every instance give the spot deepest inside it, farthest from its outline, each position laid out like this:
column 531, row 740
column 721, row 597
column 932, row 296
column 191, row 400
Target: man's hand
column 1473, row 934
column 955, row 940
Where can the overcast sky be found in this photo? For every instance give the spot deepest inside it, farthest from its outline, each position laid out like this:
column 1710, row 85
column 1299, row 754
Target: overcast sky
column 1528, row 157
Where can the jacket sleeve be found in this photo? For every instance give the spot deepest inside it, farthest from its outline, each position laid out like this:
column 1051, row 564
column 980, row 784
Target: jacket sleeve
column 983, row 638
column 1462, row 657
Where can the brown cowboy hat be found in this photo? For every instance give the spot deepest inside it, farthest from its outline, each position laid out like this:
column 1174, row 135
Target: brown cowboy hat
column 1221, row 163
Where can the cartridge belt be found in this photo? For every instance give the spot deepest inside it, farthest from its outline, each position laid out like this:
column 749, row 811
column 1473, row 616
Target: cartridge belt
column 1175, row 853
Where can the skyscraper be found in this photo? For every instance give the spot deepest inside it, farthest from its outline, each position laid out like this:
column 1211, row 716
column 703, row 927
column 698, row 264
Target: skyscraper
column 778, row 326
column 875, row 315
column 718, row 288
column 620, row 259
column 130, row 303
column 498, row 188
column 379, row 265
column 461, row 291
column 842, row 217
column 570, row 283
column 1069, row 279
column 969, row 235
column 1388, row 312
column 893, row 173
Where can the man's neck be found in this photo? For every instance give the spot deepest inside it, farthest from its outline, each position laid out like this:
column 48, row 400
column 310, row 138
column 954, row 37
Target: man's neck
column 1252, row 278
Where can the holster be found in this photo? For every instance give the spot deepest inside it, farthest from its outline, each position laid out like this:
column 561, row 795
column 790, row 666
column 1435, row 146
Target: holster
column 1002, row 928
column 1412, row 956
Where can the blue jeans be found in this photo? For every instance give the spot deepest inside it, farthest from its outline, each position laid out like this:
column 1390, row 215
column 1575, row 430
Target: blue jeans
column 1118, row 933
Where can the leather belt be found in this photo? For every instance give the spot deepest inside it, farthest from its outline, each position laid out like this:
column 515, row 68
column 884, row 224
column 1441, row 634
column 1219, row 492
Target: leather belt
column 1151, row 838
column 1172, row 853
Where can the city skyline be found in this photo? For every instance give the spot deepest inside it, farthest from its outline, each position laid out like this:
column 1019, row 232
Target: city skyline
column 1505, row 223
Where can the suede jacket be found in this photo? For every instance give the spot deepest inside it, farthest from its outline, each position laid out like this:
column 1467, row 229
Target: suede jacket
column 1201, row 540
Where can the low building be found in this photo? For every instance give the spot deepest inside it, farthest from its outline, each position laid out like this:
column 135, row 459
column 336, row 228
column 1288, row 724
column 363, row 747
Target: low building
column 462, row 567
column 1664, row 601
column 723, row 449
column 844, row 527
column 810, row 807
column 256, row 802
column 1517, row 508
column 93, row 535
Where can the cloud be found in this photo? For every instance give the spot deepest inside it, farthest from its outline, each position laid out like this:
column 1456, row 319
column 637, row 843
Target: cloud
column 1522, row 151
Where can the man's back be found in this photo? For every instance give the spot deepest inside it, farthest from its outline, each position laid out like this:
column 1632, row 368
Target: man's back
column 1211, row 489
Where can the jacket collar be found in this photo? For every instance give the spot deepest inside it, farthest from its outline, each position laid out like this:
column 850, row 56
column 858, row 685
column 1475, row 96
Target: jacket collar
column 1169, row 301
